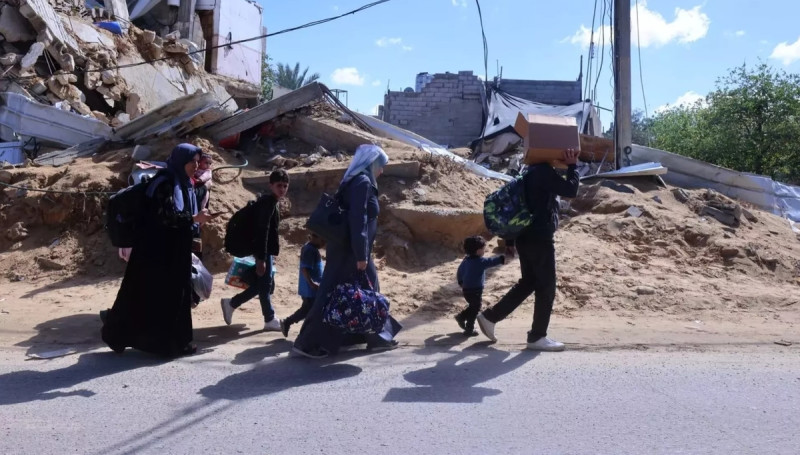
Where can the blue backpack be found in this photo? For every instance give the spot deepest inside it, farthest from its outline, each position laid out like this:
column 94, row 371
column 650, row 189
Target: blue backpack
column 505, row 211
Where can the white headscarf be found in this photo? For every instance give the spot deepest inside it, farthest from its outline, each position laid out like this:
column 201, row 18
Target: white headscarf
column 369, row 159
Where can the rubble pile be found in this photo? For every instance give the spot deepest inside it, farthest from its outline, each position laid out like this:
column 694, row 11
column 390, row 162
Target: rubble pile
column 55, row 55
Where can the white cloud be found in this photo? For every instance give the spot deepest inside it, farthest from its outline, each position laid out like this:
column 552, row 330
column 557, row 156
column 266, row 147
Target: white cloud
column 688, row 25
column 461, row 3
column 385, row 42
column 376, row 83
column 347, row 76
column 688, row 99
column 740, row 32
column 787, row 53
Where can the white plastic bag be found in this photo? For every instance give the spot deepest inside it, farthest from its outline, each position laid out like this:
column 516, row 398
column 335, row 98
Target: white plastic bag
column 201, row 279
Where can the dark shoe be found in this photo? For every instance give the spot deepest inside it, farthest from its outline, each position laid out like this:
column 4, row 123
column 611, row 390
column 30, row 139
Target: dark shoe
column 285, row 328
column 189, row 349
column 316, row 353
column 461, row 322
column 470, row 333
column 383, row 346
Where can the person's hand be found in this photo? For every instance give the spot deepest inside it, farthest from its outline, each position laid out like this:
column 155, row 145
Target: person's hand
column 261, row 267
column 202, row 217
column 511, row 252
column 361, row 265
column 570, row 156
column 315, row 286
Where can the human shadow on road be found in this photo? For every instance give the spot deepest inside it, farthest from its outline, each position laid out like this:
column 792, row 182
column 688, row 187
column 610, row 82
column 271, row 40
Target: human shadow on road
column 78, row 332
column 25, row 386
column 455, row 379
column 281, row 374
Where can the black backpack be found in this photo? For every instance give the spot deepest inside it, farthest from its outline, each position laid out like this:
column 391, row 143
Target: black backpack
column 240, row 232
column 125, row 214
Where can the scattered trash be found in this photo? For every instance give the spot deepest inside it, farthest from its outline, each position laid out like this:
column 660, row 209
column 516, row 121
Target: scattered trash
column 634, row 211
column 113, row 27
column 52, row 354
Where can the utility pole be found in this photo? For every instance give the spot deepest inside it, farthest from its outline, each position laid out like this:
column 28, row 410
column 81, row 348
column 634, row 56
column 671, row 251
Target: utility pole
column 622, row 78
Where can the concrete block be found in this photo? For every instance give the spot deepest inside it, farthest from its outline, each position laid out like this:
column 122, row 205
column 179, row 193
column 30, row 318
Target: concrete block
column 32, row 56
column 14, row 27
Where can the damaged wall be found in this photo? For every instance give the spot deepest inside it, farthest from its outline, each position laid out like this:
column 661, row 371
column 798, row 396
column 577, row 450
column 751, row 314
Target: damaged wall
column 557, row 93
column 448, row 110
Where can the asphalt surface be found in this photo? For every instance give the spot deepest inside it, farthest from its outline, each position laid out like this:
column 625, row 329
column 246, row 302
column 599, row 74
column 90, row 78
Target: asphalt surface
column 439, row 396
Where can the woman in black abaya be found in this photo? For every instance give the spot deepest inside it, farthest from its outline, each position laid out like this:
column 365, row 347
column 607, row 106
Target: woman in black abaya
column 152, row 311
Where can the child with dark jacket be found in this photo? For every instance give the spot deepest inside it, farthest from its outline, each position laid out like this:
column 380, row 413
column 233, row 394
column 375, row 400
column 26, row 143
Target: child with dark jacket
column 471, row 277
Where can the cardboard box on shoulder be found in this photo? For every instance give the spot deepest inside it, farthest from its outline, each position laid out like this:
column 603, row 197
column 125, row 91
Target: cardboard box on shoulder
column 545, row 137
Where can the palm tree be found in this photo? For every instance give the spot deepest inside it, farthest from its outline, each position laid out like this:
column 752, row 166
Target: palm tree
column 292, row 78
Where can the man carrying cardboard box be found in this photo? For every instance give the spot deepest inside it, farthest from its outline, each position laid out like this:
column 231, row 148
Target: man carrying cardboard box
column 536, row 249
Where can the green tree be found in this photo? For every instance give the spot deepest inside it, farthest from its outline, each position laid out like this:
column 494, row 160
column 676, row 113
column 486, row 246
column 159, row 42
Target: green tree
column 640, row 129
column 750, row 123
column 292, row 78
column 267, row 78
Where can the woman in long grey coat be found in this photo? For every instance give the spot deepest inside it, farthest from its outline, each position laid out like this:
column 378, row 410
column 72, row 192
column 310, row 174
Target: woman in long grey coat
column 359, row 191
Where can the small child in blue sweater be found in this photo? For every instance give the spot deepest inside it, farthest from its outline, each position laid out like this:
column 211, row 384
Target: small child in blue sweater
column 471, row 277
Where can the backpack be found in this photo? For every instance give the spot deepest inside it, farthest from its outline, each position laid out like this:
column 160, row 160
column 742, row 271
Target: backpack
column 125, row 213
column 505, row 211
column 240, row 231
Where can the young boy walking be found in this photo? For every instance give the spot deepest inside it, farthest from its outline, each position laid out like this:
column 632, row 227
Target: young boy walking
column 265, row 245
column 471, row 277
column 311, row 267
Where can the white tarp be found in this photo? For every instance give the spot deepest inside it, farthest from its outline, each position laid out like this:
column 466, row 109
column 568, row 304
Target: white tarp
column 761, row 191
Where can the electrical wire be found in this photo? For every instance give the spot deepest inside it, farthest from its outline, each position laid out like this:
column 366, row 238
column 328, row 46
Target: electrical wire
column 485, row 44
column 602, row 50
column 588, row 83
column 268, row 35
column 639, row 50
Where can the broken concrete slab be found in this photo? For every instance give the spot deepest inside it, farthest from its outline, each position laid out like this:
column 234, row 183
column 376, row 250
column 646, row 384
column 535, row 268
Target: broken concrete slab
column 265, row 112
column 442, row 226
column 319, row 133
column 14, row 27
column 30, row 59
column 89, row 34
column 170, row 116
column 67, row 156
column 47, row 22
column 48, row 123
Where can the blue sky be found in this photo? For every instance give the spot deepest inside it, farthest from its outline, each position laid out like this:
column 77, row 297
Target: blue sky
column 685, row 44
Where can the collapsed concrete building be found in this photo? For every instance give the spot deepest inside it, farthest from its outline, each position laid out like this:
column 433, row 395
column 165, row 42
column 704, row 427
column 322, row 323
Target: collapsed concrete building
column 111, row 66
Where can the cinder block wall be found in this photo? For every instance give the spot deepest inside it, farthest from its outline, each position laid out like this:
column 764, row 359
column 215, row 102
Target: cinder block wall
column 448, row 110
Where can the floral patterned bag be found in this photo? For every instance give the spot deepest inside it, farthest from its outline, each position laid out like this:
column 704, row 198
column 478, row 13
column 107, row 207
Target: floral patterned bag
column 356, row 309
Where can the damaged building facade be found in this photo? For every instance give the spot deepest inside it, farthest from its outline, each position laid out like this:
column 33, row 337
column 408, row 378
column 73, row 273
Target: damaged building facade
column 110, row 64
column 449, row 108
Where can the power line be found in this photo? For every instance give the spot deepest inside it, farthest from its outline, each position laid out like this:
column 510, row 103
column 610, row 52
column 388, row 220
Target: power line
column 588, row 83
column 485, row 44
column 639, row 50
column 268, row 35
column 602, row 49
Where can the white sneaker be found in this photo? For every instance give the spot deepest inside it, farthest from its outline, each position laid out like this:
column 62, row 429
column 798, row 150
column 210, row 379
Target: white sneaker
column 227, row 310
column 487, row 327
column 273, row 326
column 546, row 344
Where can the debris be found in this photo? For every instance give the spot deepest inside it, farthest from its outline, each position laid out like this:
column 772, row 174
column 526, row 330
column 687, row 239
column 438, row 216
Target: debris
column 52, row 354
column 783, row 343
column 49, row 264
column 113, row 27
column 729, row 252
column 141, row 152
column 5, row 177
column 748, row 215
column 680, row 195
column 658, row 199
column 248, row 119
column 13, row 25
column 312, row 159
column 725, row 218
column 17, row 232
column 634, row 211
column 10, row 59
column 645, row 290
column 32, row 56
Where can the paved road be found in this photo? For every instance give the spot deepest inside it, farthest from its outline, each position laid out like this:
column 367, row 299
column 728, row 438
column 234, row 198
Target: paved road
column 437, row 397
